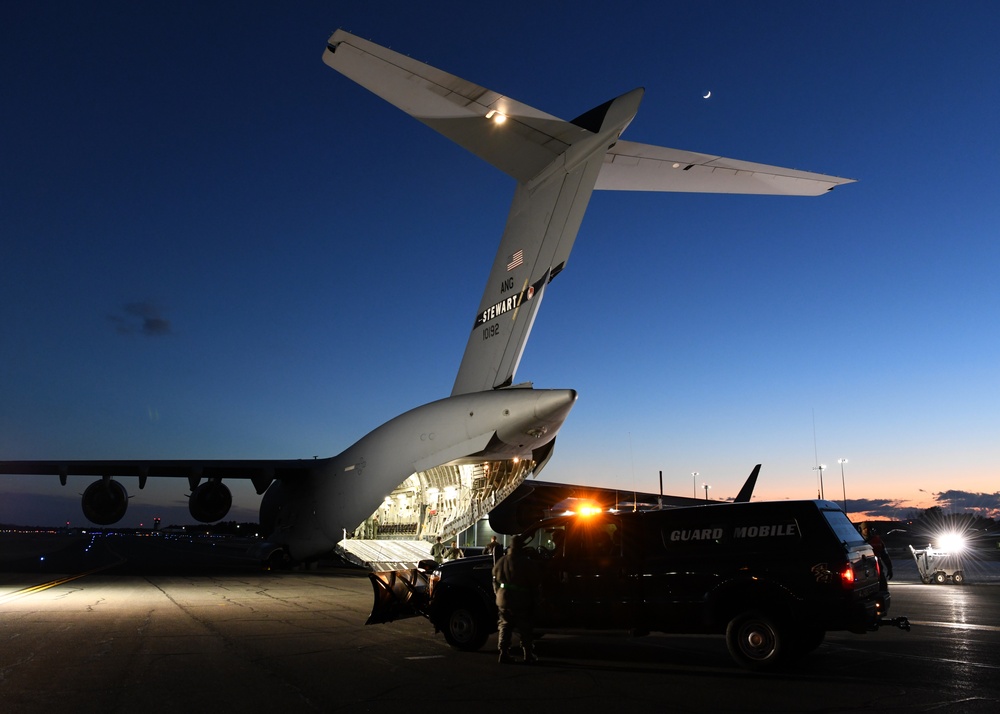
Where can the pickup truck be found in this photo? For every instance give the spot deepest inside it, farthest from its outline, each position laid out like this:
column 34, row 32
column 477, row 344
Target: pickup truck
column 772, row 577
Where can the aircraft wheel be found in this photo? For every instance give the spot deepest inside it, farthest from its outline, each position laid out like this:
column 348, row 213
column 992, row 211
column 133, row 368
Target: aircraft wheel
column 277, row 560
column 940, row 578
column 958, row 578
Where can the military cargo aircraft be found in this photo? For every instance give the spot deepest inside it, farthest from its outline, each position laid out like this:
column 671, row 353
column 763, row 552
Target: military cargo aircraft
column 502, row 430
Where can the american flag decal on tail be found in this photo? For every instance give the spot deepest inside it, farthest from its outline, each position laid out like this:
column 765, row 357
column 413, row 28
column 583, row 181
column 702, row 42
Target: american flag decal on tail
column 515, row 260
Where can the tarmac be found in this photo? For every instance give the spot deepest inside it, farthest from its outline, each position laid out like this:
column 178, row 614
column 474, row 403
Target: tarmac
column 159, row 626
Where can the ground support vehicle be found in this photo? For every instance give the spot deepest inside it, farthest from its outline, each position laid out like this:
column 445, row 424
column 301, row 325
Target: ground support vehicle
column 772, row 578
column 938, row 566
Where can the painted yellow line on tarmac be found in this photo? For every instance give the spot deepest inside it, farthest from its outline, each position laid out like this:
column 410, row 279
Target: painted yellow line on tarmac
column 24, row 592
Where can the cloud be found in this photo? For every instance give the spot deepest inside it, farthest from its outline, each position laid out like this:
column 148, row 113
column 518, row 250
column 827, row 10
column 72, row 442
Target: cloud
column 878, row 508
column 981, row 504
column 142, row 318
column 986, row 505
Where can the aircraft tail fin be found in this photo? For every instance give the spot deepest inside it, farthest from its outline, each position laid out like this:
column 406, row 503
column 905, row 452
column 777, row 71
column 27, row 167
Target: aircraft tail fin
column 541, row 229
column 555, row 162
column 557, row 165
column 747, row 491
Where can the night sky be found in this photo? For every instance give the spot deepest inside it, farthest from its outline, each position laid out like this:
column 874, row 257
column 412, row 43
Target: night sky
column 214, row 246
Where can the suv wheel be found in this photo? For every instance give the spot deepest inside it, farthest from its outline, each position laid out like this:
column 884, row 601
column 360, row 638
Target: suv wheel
column 756, row 641
column 465, row 627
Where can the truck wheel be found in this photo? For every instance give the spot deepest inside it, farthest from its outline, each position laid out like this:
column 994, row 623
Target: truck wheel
column 465, row 626
column 756, row 641
column 940, row 578
column 958, row 578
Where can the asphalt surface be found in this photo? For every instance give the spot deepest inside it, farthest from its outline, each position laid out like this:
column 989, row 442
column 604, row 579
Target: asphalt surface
column 115, row 624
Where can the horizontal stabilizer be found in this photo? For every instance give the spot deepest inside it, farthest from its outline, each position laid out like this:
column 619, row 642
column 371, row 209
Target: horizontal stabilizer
column 629, row 166
column 517, row 139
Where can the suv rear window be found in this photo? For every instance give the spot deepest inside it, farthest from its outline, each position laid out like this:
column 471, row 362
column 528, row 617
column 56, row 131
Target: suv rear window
column 842, row 527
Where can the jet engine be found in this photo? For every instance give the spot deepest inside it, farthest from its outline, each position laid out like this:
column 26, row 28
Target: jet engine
column 210, row 502
column 104, row 502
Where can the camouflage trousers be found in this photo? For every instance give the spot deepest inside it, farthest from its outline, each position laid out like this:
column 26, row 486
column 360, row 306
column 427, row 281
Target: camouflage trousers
column 512, row 619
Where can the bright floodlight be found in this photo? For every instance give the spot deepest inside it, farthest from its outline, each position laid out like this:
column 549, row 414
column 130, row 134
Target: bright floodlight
column 951, row 542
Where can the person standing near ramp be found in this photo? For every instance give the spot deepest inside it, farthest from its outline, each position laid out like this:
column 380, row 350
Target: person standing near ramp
column 515, row 581
column 438, row 550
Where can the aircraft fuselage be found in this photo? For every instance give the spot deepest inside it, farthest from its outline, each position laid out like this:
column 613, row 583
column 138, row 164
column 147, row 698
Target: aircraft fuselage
column 310, row 516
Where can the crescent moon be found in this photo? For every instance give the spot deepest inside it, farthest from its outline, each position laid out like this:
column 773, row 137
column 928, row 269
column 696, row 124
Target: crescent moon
column 708, row 95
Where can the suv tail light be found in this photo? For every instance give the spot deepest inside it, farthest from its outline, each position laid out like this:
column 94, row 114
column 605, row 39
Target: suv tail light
column 847, row 576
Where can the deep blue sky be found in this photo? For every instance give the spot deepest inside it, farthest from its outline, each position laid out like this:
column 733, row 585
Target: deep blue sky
column 212, row 245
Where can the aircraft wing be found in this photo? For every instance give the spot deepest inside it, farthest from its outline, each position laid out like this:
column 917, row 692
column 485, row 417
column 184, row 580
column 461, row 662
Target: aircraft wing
column 629, row 166
column 532, row 501
column 260, row 472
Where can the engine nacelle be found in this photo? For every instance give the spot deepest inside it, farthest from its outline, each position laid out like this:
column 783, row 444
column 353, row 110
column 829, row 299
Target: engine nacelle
column 104, row 502
column 210, row 502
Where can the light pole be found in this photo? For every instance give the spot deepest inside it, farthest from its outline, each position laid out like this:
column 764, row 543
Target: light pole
column 843, row 484
column 706, row 490
column 694, row 484
column 820, row 468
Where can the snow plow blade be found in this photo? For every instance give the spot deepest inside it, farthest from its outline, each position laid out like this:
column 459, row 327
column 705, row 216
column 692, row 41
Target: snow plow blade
column 399, row 594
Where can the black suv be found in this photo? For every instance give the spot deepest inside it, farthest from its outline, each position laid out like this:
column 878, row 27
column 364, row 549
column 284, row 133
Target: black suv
column 772, row 577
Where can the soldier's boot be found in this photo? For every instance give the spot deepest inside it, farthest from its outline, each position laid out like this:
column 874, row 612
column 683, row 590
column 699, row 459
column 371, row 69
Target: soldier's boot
column 529, row 654
column 505, row 657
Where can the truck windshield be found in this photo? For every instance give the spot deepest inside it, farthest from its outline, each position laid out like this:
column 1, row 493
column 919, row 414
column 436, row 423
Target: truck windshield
column 844, row 529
